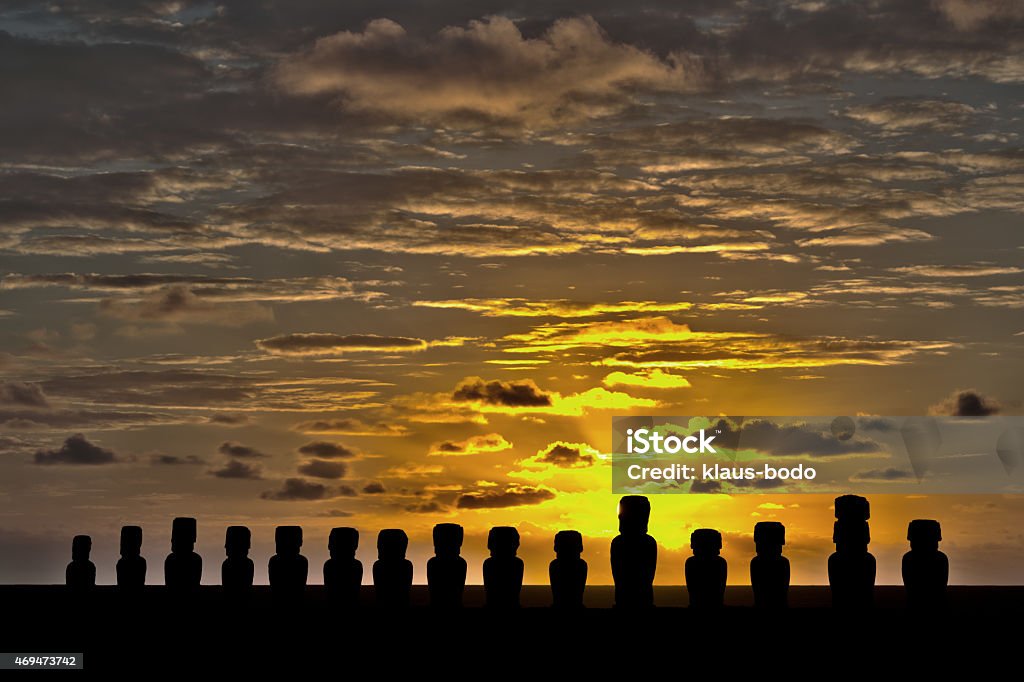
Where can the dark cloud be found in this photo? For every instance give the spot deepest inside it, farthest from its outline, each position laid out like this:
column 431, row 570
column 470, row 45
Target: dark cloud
column 878, row 424
column 347, row 491
column 565, row 455
column 777, row 440
column 76, row 450
column 518, row 393
column 175, row 460
column 374, row 488
column 432, row 507
column 22, row 394
column 705, row 486
column 966, row 403
column 298, row 489
column 882, row 475
column 326, row 344
column 228, row 419
column 232, row 449
column 510, row 497
column 238, row 469
column 318, row 468
column 326, row 450
column 350, row 427
column 901, row 113
column 336, row 514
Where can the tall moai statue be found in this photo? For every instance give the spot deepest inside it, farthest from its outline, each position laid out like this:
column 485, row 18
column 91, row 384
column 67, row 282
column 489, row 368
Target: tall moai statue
column 503, row 570
column 81, row 573
column 392, row 572
column 706, row 570
column 236, row 571
column 851, row 568
column 131, row 567
column 183, row 568
column 446, row 570
column 634, row 555
column 925, row 568
column 288, row 569
column 568, row 571
column 343, row 573
column 769, row 570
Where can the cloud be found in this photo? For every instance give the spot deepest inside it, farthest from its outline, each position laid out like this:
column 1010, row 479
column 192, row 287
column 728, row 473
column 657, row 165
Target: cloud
column 318, row 468
column 788, row 440
column 231, row 448
column 971, row 270
column 228, row 419
column 566, row 455
column 238, row 469
column 519, row 393
column 179, row 304
column 432, row 507
column 326, row 450
column 491, row 442
column 486, row 72
column 655, row 378
column 332, row 344
column 705, row 486
column 509, row 497
column 175, row 460
column 350, row 427
column 374, row 488
column 886, row 475
column 966, row 403
column 76, row 450
column 336, row 514
column 562, row 308
column 298, row 489
column 22, row 394
column 901, row 113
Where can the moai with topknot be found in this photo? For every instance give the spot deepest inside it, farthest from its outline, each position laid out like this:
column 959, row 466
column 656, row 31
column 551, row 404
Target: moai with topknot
column 851, row 568
column 706, row 570
column 634, row 555
column 503, row 570
column 288, row 569
column 925, row 568
column 183, row 568
column 769, row 570
column 446, row 570
column 81, row 573
column 236, row 572
column 131, row 567
column 568, row 571
column 392, row 572
column 343, row 573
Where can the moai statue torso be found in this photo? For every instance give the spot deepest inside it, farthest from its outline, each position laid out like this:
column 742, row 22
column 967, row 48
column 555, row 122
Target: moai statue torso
column 706, row 570
column 81, row 573
column 851, row 568
column 503, row 570
column 568, row 571
column 236, row 571
column 288, row 569
column 131, row 567
column 769, row 570
column 925, row 568
column 446, row 570
column 392, row 572
column 343, row 573
column 634, row 555
column 183, row 568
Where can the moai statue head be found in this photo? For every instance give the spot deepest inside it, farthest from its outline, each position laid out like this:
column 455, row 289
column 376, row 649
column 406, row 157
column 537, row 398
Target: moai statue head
column 568, row 544
column 343, row 543
column 852, row 508
column 448, row 539
column 854, row 535
column 924, row 535
column 237, row 541
column 634, row 514
column 183, row 534
column 131, row 541
column 288, row 540
column 706, row 542
column 392, row 544
column 769, row 537
column 503, row 541
column 81, row 546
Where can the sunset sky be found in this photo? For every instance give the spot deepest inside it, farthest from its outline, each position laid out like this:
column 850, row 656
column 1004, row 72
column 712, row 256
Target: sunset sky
column 388, row 264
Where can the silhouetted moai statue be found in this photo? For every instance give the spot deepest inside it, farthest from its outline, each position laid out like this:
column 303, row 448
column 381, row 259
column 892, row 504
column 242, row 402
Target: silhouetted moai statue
column 634, row 555
column 237, row 569
column 568, row 571
column 503, row 570
column 183, row 568
column 343, row 573
column 925, row 568
column 288, row 569
column 446, row 570
column 392, row 572
column 81, row 573
column 851, row 568
column 706, row 570
column 769, row 570
column 131, row 567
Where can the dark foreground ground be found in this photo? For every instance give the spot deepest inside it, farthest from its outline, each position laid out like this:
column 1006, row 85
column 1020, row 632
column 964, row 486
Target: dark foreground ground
column 154, row 633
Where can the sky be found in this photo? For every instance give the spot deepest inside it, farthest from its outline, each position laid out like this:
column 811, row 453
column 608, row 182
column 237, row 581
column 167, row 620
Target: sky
column 389, row 264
